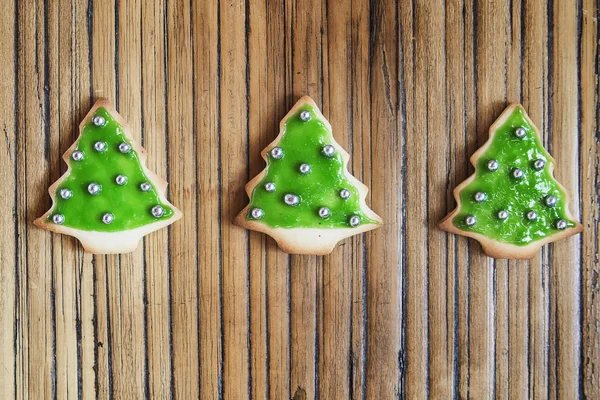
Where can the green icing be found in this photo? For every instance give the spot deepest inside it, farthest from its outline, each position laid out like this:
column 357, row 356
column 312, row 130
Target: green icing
column 130, row 206
column 517, row 196
column 303, row 142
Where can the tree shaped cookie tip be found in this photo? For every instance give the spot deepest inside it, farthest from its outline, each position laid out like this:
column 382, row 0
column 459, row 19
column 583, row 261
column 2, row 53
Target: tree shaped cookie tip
column 512, row 204
column 107, row 199
column 305, row 198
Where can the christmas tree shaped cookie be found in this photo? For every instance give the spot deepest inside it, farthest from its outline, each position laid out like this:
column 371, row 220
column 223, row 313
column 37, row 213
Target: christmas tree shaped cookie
column 512, row 204
column 306, row 199
column 107, row 199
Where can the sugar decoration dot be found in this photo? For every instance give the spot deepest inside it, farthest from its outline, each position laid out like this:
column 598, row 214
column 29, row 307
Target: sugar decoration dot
column 291, row 199
column 480, row 197
column 100, row 146
column 108, row 218
column 345, row 194
column 121, row 180
column 66, row 193
column 305, row 116
column 99, row 121
column 493, row 165
column 124, row 148
column 277, row 153
column 304, row 169
column 324, row 212
column 520, row 133
column 94, row 188
column 158, row 211
column 532, row 215
column 328, row 151
column 77, row 155
column 257, row 213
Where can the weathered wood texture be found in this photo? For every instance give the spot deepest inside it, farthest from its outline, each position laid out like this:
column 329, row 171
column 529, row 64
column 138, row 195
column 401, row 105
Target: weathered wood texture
column 207, row 310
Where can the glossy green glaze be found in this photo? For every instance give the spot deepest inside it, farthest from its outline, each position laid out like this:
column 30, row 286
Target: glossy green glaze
column 130, row 205
column 303, row 142
column 517, row 196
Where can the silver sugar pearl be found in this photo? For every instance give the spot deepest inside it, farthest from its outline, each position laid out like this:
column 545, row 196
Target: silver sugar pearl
column 561, row 225
column 58, row 219
column 532, row 215
column 304, row 169
column 354, row 220
column 257, row 213
column 520, row 133
column 329, row 150
column 277, row 153
column 345, row 194
column 502, row 215
column 551, row 201
column 480, row 197
column 518, row 173
column 121, row 180
column 470, row 220
column 291, row 199
column 100, row 146
column 145, row 187
column 77, row 155
column 124, row 148
column 94, row 188
column 539, row 164
column 66, row 193
column 324, row 212
column 108, row 218
column 493, row 165
column 99, row 120
column 270, row 187
column 158, row 211
column 305, row 115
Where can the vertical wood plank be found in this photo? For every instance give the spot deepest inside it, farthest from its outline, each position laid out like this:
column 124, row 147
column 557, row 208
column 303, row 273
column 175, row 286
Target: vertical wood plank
column 565, row 255
column 73, row 276
column 207, row 92
column 262, row 73
column 533, row 97
column 361, row 160
column 417, row 219
column 533, row 25
column 65, row 259
column 9, row 250
column 270, row 328
column 464, row 245
column 181, row 153
column 127, row 282
column 490, row 53
column 590, row 202
column 156, row 246
column 304, row 44
column 103, row 76
column 35, row 331
column 386, row 376
column 338, row 268
column 234, row 149
column 456, row 83
column 515, row 353
column 431, row 40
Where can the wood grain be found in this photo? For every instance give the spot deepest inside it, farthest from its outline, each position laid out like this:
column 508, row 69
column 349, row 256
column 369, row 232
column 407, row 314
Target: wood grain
column 207, row 310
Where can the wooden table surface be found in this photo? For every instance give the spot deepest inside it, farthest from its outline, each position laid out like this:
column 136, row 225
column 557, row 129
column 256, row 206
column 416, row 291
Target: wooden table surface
column 207, row 310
